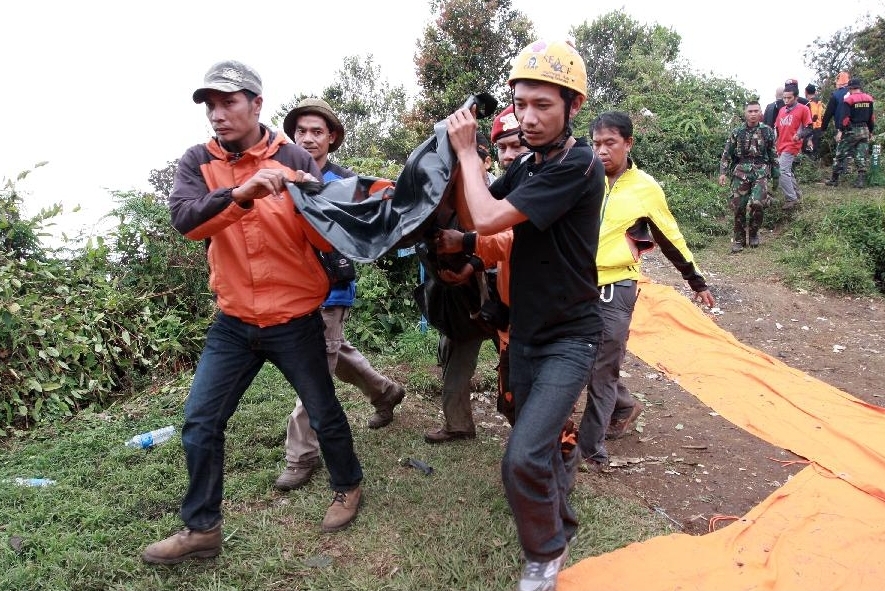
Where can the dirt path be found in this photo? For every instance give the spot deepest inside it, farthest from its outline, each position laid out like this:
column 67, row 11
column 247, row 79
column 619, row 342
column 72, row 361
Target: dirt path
column 688, row 463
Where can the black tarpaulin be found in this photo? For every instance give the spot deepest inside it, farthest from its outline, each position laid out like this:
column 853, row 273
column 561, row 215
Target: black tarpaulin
column 365, row 217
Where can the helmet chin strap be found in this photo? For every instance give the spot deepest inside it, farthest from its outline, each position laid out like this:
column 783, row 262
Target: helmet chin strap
column 545, row 150
column 557, row 144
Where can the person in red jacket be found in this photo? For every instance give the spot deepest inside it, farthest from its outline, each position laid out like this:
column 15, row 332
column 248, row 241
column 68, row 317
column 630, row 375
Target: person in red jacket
column 269, row 285
column 793, row 126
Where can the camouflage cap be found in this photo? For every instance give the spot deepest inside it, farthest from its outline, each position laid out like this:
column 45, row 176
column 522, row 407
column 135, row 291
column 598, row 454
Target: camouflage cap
column 228, row 76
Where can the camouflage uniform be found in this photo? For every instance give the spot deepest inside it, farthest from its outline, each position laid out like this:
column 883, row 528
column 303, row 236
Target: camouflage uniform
column 857, row 124
column 751, row 157
column 840, row 155
column 855, row 142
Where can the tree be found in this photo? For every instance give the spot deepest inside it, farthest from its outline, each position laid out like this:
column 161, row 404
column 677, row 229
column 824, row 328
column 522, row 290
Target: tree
column 467, row 50
column 828, row 57
column 370, row 109
column 870, row 46
column 161, row 179
column 623, row 57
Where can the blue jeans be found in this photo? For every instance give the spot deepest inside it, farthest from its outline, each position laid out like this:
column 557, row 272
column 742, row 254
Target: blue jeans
column 546, row 381
column 233, row 355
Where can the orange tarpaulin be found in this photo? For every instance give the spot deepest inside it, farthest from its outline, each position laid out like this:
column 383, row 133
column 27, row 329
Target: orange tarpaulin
column 824, row 529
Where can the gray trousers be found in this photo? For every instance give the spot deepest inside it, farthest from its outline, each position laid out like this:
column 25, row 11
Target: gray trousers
column 348, row 365
column 788, row 182
column 606, row 395
column 458, row 359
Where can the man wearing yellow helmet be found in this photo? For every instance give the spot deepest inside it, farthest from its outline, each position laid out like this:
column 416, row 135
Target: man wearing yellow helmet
column 552, row 200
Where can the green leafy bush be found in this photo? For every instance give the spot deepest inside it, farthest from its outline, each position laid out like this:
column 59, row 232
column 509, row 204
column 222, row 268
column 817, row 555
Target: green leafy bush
column 699, row 205
column 384, row 306
column 72, row 337
column 843, row 248
column 82, row 325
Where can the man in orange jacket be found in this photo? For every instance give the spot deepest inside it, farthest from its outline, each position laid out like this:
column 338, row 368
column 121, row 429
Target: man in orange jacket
column 269, row 286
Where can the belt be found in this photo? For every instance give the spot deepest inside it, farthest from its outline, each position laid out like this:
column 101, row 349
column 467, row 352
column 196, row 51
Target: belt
column 621, row 283
column 611, row 287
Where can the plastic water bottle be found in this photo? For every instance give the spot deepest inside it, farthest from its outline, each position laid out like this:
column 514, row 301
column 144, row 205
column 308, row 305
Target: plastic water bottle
column 31, row 481
column 151, row 438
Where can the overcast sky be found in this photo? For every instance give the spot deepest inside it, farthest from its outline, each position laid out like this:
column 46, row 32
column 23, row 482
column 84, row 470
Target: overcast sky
column 102, row 90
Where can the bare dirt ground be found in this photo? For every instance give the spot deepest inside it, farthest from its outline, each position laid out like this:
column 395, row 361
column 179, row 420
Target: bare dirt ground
column 690, row 464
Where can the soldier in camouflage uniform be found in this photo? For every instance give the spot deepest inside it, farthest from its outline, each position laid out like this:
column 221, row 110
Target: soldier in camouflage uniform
column 751, row 157
column 853, row 137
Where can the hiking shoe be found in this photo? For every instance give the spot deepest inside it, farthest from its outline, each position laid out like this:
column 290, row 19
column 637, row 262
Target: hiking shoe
column 736, row 247
column 790, row 204
column 617, row 428
column 384, row 410
column 343, row 509
column 296, row 475
column 754, row 241
column 541, row 576
column 595, row 466
column 186, row 544
column 441, row 435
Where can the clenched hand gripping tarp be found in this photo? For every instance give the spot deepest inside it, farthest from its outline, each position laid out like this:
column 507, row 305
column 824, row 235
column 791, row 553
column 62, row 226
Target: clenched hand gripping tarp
column 366, row 217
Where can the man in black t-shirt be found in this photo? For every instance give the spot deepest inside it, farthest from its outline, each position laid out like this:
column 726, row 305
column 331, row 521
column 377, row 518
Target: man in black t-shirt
column 552, row 201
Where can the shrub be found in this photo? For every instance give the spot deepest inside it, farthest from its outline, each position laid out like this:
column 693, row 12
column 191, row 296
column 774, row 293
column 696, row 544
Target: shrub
column 843, row 248
column 698, row 204
column 73, row 337
column 384, row 306
column 83, row 325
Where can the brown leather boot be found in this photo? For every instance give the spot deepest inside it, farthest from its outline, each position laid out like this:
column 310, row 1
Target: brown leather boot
column 384, row 409
column 296, row 475
column 186, row 544
column 343, row 509
column 442, row 436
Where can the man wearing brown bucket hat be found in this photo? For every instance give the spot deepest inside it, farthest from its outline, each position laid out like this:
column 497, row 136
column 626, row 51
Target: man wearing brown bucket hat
column 314, row 126
column 231, row 193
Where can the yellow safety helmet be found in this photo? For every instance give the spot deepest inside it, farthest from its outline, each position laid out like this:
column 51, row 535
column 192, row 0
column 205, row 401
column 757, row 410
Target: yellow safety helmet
column 556, row 62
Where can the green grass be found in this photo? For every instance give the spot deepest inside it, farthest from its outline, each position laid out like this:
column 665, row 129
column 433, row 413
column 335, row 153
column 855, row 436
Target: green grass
column 452, row 530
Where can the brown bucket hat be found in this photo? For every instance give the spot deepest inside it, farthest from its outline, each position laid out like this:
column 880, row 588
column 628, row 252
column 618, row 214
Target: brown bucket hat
column 318, row 107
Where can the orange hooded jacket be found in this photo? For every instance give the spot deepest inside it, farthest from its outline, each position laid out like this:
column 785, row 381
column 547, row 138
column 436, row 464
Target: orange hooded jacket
column 263, row 268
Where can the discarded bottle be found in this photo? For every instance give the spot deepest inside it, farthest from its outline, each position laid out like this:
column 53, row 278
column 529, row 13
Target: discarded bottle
column 151, row 438
column 31, row 481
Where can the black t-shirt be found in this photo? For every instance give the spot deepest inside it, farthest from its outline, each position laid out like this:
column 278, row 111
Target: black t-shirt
column 553, row 280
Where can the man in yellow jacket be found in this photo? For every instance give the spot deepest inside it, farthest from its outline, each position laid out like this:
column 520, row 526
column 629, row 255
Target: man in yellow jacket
column 635, row 217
